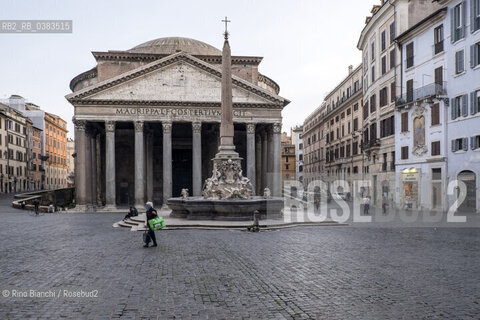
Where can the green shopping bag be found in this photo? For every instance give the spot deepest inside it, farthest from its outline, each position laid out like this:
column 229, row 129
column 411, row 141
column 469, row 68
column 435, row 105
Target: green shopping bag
column 156, row 223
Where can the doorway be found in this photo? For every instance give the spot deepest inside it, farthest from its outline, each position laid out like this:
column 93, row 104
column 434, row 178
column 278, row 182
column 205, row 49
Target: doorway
column 470, row 202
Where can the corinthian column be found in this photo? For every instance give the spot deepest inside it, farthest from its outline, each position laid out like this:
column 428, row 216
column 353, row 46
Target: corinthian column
column 264, row 161
column 80, row 174
column 277, row 128
column 258, row 164
column 197, row 158
column 251, row 154
column 139, row 165
column 110, row 202
column 167, row 161
column 149, row 155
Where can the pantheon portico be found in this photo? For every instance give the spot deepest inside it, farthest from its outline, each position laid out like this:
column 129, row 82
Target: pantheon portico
column 147, row 123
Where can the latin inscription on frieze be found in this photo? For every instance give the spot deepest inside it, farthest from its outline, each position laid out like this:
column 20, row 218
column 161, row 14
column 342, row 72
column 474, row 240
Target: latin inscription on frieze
column 176, row 112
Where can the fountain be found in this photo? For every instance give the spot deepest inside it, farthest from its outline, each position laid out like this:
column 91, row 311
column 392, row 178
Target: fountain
column 227, row 194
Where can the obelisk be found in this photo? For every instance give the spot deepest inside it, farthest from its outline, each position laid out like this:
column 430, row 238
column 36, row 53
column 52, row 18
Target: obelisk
column 227, row 181
column 226, row 148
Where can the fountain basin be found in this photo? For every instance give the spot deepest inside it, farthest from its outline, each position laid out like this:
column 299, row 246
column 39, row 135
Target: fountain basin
column 199, row 208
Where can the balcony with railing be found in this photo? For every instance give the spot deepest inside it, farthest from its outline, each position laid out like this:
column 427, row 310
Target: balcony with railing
column 431, row 90
column 370, row 144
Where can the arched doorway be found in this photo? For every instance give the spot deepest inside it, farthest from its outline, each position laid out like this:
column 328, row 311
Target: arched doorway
column 470, row 202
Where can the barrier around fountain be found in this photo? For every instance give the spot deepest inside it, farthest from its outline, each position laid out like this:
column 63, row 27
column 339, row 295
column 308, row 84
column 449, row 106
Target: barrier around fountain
column 199, row 208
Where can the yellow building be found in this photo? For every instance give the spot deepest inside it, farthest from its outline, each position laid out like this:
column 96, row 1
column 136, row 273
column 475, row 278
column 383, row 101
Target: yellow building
column 288, row 158
column 56, row 150
column 13, row 150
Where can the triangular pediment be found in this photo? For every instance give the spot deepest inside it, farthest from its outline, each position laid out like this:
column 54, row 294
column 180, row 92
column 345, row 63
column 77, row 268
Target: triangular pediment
column 179, row 77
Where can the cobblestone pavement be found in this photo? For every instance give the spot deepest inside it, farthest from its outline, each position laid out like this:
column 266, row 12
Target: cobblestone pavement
column 297, row 273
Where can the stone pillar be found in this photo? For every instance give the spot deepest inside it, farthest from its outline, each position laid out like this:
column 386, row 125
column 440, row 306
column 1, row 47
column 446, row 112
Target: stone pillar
column 93, row 161
column 139, row 165
column 167, row 161
column 80, row 178
column 110, row 193
column 88, row 168
column 197, row 158
column 264, row 160
column 270, row 158
column 251, row 155
column 149, row 155
column 277, row 157
column 98, row 164
column 258, row 165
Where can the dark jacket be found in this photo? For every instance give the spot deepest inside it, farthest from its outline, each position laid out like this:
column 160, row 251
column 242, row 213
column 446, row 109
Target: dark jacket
column 151, row 214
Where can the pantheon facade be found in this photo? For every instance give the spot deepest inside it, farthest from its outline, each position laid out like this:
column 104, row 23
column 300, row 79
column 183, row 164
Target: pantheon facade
column 147, row 123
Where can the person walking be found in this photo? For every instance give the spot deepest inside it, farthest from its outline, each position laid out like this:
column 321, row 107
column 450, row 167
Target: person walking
column 149, row 215
column 366, row 205
column 36, row 204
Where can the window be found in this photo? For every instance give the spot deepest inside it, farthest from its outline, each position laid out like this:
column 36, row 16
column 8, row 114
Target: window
column 409, row 90
column 437, row 174
column 459, row 62
column 404, row 153
column 365, row 110
column 384, row 65
column 475, row 142
column 392, row 164
column 474, row 102
column 393, row 92
column 435, row 114
column 349, row 111
column 355, row 107
column 384, row 40
column 356, row 86
column 372, row 52
column 475, row 15
column 439, row 78
column 458, row 23
column 435, row 148
column 384, row 163
column 373, row 74
column 373, row 131
column 459, row 106
column 355, row 148
column 459, row 144
column 355, row 124
column 373, row 105
column 475, row 55
column 409, row 55
column 404, row 121
column 392, row 32
column 383, row 97
column 438, row 39
column 392, row 59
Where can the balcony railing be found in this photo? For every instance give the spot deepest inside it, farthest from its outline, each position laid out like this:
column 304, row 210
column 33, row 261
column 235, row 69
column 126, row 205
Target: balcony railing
column 373, row 143
column 431, row 90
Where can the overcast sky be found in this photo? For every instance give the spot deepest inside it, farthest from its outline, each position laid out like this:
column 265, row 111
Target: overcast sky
column 307, row 45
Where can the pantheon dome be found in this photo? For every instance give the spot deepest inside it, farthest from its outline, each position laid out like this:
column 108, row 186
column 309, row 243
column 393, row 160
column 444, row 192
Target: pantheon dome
column 171, row 45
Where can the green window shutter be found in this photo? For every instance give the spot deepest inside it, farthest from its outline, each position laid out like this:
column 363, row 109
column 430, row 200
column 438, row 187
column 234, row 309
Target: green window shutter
column 465, row 105
column 472, row 56
column 472, row 143
column 465, row 144
column 453, row 146
column 472, row 103
column 452, row 25
column 464, row 18
column 472, row 17
column 452, row 106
